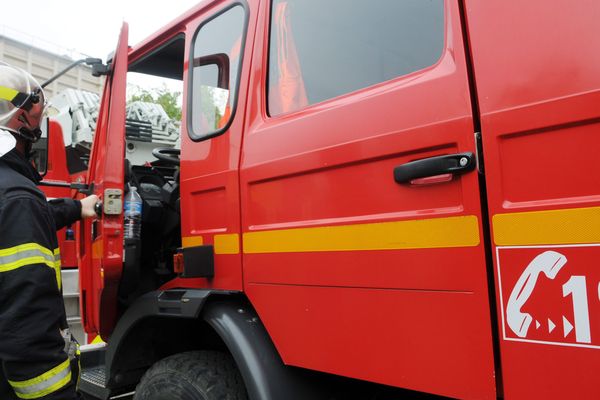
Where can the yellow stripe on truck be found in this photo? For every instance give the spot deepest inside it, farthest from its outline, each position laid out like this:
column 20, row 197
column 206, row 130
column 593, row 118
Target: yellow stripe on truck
column 223, row 243
column 227, row 243
column 460, row 231
column 192, row 241
column 566, row 226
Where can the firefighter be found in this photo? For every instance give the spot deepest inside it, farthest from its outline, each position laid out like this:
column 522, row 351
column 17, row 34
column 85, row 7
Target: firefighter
column 37, row 355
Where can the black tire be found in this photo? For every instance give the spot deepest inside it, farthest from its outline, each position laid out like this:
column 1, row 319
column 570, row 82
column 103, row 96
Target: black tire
column 198, row 375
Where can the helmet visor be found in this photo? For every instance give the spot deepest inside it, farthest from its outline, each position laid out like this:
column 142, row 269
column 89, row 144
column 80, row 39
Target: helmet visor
column 16, row 98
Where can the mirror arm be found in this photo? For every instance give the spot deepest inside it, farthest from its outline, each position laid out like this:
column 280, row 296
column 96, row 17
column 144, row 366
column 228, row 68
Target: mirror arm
column 97, row 69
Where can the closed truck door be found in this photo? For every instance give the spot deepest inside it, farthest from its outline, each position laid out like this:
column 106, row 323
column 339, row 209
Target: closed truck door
column 537, row 70
column 363, row 251
column 219, row 41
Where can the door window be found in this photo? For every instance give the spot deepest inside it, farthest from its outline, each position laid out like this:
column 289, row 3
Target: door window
column 323, row 49
column 215, row 63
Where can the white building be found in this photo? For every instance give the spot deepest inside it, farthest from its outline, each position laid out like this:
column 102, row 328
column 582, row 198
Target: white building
column 43, row 64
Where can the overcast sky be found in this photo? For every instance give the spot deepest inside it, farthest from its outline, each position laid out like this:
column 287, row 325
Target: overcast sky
column 88, row 27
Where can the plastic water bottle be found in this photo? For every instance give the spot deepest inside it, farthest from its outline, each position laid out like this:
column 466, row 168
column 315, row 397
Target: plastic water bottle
column 133, row 214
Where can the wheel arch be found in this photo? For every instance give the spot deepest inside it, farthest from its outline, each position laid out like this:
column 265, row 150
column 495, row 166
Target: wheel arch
column 265, row 375
column 163, row 323
column 157, row 325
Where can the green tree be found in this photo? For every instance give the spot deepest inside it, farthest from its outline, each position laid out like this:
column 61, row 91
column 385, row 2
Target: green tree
column 163, row 96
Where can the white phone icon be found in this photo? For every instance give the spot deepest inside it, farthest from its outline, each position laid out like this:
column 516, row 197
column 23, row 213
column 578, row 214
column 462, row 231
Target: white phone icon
column 550, row 263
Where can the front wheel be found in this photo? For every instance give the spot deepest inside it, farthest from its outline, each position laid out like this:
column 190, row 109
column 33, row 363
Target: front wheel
column 198, row 375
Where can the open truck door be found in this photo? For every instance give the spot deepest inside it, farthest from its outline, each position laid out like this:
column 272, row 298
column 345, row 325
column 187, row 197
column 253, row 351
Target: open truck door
column 101, row 242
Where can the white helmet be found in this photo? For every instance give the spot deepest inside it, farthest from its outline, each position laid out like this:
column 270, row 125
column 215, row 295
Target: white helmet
column 22, row 103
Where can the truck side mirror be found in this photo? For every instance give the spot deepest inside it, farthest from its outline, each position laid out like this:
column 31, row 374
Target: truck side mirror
column 212, row 93
column 221, row 62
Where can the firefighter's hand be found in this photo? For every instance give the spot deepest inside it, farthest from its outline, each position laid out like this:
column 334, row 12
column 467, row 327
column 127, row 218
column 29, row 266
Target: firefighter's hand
column 87, row 206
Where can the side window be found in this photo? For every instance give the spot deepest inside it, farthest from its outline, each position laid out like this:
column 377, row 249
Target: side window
column 323, row 49
column 216, row 62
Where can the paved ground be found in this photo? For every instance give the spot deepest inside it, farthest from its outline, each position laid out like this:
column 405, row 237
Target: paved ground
column 128, row 396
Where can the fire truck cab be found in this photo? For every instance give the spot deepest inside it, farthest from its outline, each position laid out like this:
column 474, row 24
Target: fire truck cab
column 367, row 196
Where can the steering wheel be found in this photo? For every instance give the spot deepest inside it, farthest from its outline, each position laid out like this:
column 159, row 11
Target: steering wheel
column 167, row 154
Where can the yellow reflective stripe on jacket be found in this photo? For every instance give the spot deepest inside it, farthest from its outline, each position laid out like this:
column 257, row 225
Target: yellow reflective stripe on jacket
column 28, row 254
column 44, row 384
column 57, row 266
column 8, row 93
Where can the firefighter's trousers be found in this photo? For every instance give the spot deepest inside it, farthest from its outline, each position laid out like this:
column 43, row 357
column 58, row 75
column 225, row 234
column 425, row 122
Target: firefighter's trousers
column 33, row 356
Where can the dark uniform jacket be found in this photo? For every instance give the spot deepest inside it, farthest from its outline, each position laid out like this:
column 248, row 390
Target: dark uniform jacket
column 32, row 313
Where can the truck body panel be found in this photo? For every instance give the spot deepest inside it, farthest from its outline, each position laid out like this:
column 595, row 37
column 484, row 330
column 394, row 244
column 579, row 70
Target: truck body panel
column 366, row 270
column 538, row 87
column 209, row 168
column 468, row 283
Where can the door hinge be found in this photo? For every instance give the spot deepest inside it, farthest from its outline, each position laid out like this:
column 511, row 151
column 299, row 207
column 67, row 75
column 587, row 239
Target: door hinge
column 479, row 153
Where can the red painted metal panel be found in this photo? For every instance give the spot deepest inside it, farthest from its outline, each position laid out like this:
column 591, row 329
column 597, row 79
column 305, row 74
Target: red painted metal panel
column 536, row 66
column 410, row 317
column 101, row 247
column 209, row 169
column 57, row 171
column 57, row 160
column 375, row 334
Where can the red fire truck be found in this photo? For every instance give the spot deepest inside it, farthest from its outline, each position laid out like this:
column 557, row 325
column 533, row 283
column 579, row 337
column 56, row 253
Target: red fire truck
column 368, row 196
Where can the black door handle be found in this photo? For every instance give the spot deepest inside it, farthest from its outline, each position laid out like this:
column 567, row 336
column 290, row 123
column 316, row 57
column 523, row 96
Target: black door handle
column 448, row 164
column 98, row 209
